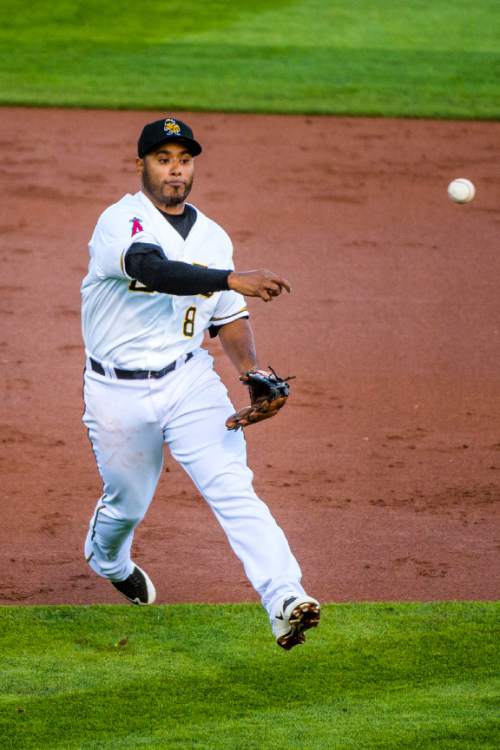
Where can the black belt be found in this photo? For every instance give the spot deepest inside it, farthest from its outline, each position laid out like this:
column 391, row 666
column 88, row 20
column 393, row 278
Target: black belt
column 137, row 374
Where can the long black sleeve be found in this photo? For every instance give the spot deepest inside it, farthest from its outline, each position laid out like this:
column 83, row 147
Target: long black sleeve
column 148, row 264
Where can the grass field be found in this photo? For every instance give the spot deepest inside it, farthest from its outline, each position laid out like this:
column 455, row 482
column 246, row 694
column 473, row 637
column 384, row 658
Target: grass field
column 391, row 676
column 199, row 676
column 419, row 58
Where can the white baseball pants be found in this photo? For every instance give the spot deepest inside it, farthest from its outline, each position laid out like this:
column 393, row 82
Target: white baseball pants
column 128, row 421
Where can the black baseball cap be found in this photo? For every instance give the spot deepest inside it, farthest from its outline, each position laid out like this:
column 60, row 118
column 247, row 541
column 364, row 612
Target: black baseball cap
column 168, row 129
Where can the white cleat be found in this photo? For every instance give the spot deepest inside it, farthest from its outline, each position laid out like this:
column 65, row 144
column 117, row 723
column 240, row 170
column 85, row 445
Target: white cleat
column 295, row 615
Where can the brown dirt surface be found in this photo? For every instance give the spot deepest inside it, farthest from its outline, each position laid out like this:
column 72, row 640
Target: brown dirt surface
column 384, row 468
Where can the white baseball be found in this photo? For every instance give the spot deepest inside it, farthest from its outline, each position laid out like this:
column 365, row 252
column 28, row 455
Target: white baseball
column 461, row 190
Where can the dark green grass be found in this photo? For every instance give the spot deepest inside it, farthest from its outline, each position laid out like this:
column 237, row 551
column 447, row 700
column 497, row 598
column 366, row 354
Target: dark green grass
column 422, row 58
column 373, row 676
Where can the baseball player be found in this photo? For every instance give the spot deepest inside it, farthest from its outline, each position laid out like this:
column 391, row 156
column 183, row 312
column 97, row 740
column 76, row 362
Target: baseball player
column 161, row 274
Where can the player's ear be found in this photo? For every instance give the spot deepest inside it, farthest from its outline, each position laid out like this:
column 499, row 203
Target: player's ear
column 139, row 166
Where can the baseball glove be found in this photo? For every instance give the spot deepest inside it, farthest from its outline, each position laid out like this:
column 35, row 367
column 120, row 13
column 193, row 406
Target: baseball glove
column 268, row 394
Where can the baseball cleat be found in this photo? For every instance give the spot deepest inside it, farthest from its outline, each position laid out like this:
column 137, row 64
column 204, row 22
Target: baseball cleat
column 138, row 588
column 295, row 615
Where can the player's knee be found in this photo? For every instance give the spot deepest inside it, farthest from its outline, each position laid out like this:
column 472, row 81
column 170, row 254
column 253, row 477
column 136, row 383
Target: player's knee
column 227, row 485
column 121, row 520
column 128, row 505
column 129, row 521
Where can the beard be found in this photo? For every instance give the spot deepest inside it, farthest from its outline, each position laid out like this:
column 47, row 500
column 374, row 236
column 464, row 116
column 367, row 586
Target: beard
column 177, row 195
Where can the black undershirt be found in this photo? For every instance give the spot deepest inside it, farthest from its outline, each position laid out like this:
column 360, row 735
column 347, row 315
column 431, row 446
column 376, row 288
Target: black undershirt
column 183, row 222
column 148, row 264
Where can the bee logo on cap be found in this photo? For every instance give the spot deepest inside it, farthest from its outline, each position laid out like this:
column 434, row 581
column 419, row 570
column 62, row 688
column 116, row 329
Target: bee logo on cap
column 171, row 127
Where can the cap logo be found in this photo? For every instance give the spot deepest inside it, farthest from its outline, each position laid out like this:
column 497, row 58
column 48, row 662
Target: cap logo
column 171, row 127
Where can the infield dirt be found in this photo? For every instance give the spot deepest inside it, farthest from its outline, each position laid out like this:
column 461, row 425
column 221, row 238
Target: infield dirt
column 384, row 468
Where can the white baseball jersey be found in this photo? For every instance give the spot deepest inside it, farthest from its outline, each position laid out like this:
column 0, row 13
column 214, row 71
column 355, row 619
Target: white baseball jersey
column 124, row 324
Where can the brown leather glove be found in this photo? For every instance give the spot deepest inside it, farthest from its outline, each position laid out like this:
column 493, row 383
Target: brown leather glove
column 268, row 394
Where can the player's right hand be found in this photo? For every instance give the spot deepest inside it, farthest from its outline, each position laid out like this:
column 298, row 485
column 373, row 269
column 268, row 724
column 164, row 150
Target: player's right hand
column 260, row 283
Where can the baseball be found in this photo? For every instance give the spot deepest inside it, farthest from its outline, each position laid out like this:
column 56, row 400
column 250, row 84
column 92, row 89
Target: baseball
column 461, row 190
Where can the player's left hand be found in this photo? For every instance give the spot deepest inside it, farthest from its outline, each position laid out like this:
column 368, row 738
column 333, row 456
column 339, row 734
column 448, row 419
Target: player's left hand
column 259, row 283
column 268, row 394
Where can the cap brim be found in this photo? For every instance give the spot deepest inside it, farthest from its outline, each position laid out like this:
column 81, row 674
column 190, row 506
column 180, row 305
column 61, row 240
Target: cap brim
column 193, row 146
